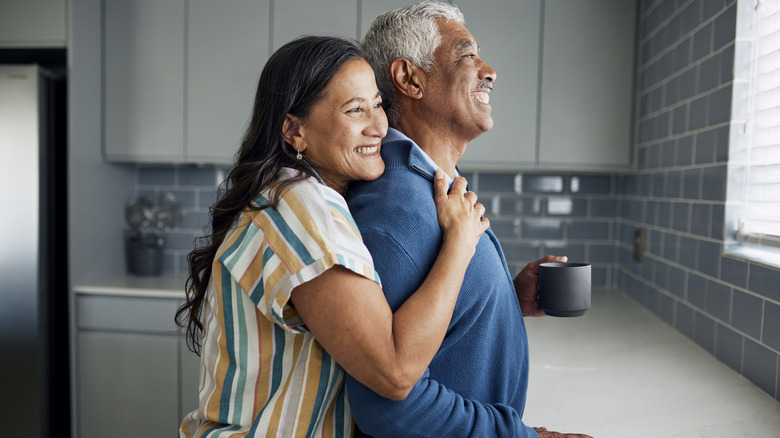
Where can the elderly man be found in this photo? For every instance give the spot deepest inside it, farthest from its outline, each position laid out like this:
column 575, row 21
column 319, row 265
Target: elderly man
column 436, row 92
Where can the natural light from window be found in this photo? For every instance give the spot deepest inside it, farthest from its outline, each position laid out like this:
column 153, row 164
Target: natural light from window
column 753, row 201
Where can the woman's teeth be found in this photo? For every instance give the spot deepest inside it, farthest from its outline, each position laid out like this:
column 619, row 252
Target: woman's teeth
column 367, row 150
column 481, row 97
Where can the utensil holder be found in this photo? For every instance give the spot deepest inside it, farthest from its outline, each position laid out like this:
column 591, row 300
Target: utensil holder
column 144, row 254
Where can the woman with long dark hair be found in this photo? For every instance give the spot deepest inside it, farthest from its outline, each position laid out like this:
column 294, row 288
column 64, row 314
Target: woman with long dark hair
column 283, row 294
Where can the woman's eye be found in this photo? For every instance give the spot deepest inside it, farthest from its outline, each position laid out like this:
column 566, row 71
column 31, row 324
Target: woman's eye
column 354, row 110
column 378, row 105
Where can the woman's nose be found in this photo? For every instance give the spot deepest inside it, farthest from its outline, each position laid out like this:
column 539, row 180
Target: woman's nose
column 377, row 125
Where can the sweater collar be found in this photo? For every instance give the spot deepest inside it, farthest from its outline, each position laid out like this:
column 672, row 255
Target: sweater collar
column 403, row 150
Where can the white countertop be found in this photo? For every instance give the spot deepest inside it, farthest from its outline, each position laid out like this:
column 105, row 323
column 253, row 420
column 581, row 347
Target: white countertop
column 162, row 286
column 619, row 371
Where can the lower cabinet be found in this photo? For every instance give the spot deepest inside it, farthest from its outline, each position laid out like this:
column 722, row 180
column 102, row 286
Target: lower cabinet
column 135, row 376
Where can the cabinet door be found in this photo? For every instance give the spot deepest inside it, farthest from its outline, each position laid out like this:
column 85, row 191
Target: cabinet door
column 33, row 23
column 189, row 375
column 144, row 86
column 227, row 49
column 293, row 18
column 507, row 32
column 371, row 8
column 587, row 81
column 127, row 385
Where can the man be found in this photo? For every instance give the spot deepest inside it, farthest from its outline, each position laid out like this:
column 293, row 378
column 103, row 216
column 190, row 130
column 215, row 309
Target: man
column 437, row 90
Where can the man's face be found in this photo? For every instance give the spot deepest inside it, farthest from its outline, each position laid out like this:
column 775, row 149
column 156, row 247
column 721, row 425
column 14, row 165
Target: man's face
column 457, row 93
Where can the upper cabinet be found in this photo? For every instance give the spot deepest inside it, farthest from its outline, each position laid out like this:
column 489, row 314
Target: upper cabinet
column 293, row 18
column 144, row 80
column 507, row 32
column 563, row 94
column 587, row 84
column 180, row 75
column 33, row 23
column 226, row 50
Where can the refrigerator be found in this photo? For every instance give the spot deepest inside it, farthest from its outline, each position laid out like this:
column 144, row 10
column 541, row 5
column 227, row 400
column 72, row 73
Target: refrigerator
column 34, row 363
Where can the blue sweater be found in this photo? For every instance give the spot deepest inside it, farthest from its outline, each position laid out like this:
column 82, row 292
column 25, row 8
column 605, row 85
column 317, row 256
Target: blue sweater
column 476, row 384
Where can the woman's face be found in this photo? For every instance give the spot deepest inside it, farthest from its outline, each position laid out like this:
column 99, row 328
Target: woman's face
column 341, row 136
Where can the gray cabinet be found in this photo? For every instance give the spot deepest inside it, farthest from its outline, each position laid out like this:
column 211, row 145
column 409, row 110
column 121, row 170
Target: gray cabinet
column 128, row 385
column 507, row 32
column 587, row 84
column 135, row 377
column 293, row 18
column 563, row 94
column 180, row 77
column 33, row 23
column 189, row 380
column 144, row 86
column 369, row 9
column 227, row 47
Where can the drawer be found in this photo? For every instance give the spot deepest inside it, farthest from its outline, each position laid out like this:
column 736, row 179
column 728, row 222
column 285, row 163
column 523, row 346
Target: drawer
column 121, row 313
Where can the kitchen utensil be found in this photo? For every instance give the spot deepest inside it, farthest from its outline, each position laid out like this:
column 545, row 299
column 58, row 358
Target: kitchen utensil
column 139, row 213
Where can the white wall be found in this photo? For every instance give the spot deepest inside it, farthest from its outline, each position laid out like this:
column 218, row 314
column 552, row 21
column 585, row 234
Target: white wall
column 97, row 191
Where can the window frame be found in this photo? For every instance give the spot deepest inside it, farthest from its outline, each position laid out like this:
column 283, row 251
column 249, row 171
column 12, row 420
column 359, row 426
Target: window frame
column 739, row 241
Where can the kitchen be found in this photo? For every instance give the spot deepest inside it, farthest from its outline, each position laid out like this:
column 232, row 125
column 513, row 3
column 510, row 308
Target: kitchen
column 663, row 171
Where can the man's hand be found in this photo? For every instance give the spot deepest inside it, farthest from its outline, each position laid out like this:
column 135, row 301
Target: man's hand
column 544, row 433
column 527, row 286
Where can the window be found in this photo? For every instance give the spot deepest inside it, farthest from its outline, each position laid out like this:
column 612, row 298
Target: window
column 753, row 203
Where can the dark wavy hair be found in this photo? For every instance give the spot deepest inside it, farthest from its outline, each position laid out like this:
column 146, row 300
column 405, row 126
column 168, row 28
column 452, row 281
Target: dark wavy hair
column 292, row 82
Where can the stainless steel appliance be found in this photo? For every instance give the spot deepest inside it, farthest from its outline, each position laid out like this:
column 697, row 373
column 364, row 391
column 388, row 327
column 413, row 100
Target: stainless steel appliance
column 34, row 372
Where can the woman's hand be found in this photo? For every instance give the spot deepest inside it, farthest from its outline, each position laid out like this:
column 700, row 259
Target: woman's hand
column 349, row 315
column 460, row 215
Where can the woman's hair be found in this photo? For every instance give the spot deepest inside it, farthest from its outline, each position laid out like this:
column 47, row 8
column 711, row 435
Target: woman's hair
column 410, row 32
column 292, row 82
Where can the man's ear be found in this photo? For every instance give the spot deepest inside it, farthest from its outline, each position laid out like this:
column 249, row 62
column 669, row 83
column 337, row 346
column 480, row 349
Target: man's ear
column 291, row 132
column 408, row 78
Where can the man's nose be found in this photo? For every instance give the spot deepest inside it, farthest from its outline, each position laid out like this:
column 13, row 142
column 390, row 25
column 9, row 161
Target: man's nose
column 487, row 73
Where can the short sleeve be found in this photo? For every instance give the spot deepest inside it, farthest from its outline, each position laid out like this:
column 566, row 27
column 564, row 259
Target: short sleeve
column 271, row 251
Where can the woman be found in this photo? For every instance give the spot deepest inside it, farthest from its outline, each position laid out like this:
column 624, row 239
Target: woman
column 284, row 293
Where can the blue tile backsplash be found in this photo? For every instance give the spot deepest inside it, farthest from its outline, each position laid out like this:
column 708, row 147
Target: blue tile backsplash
column 675, row 195
column 677, row 192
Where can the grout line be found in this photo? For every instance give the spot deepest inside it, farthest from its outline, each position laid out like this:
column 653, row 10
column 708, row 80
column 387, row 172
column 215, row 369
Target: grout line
column 678, row 299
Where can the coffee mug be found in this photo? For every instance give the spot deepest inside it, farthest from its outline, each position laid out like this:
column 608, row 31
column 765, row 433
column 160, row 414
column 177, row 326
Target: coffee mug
column 564, row 288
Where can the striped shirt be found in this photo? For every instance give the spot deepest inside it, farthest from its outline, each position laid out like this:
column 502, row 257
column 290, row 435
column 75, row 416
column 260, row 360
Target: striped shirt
column 262, row 372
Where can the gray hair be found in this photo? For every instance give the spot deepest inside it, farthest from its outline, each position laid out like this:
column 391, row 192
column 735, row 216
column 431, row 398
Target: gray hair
column 410, row 32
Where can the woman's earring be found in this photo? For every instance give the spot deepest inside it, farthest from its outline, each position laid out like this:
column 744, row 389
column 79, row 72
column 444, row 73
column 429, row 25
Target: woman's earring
column 299, row 156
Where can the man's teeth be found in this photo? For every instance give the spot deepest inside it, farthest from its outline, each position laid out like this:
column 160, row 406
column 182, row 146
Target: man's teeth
column 481, row 97
column 366, row 150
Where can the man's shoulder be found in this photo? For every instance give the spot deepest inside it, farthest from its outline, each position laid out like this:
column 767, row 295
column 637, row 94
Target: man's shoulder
column 397, row 186
column 399, row 195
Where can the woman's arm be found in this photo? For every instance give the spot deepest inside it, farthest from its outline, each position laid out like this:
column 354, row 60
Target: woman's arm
column 349, row 315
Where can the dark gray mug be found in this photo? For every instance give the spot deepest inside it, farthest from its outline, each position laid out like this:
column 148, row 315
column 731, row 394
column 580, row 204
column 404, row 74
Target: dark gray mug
column 564, row 288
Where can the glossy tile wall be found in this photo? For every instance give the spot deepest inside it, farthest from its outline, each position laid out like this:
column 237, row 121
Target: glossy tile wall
column 536, row 214
column 196, row 189
column 729, row 306
column 532, row 214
